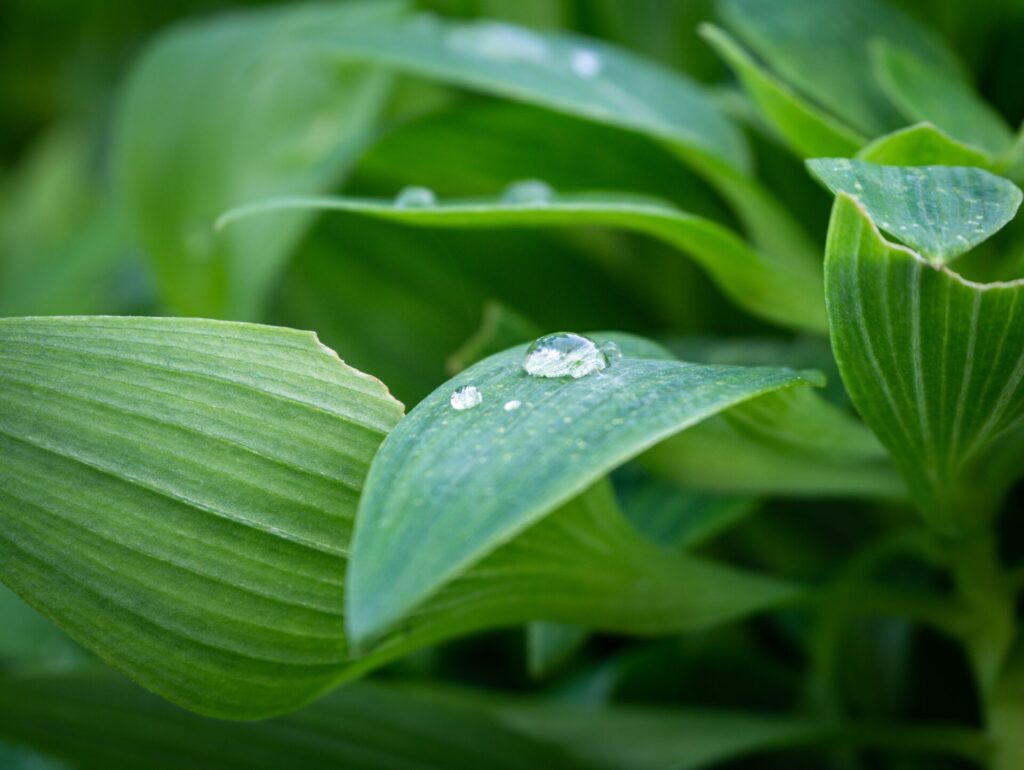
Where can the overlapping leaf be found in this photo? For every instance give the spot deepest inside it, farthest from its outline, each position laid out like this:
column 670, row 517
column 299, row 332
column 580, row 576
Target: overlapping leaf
column 432, row 507
column 784, row 290
column 177, row 495
column 933, row 363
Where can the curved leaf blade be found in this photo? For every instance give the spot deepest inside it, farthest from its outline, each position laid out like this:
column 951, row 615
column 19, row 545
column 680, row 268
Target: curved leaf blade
column 783, row 290
column 431, row 508
column 932, row 362
column 177, row 495
column 940, row 211
column 924, row 145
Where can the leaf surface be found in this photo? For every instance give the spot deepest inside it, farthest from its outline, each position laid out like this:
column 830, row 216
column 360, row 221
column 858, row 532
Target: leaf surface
column 939, row 211
column 783, row 290
column 178, row 494
column 432, row 507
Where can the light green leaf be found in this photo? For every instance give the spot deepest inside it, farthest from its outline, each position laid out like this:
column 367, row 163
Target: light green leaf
column 97, row 721
column 940, row 96
column 595, row 81
column 808, row 130
column 933, row 363
column 550, row 645
column 940, row 211
column 177, row 496
column 431, row 509
column 225, row 111
column 923, row 145
column 822, row 49
column 786, row 291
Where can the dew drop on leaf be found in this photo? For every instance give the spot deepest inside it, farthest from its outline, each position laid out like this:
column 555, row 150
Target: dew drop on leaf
column 528, row 191
column 564, row 355
column 415, row 198
column 498, row 41
column 585, row 63
column 466, row 397
column 511, row 406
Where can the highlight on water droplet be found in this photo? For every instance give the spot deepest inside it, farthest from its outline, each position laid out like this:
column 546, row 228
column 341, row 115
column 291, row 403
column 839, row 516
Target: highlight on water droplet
column 564, row 354
column 466, row 397
column 511, row 406
column 498, row 41
column 528, row 191
column 415, row 198
column 586, row 63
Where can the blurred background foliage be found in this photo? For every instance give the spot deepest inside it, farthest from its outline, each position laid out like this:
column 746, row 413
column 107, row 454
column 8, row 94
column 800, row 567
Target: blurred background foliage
column 407, row 305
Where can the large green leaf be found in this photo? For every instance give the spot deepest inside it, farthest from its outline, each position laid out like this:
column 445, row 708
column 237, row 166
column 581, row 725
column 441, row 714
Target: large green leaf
column 224, row 111
column 96, row 721
column 784, row 290
column 807, row 129
column 823, row 50
column 177, row 495
column 933, row 363
column 432, row 507
column 595, row 81
column 940, row 211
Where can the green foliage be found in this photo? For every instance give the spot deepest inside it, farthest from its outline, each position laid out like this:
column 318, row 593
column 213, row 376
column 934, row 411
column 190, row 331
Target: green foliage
column 777, row 525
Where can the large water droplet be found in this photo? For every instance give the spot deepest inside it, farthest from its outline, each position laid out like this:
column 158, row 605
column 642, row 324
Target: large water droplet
column 528, row 191
column 564, row 355
column 585, row 63
column 466, row 397
column 415, row 198
column 498, row 41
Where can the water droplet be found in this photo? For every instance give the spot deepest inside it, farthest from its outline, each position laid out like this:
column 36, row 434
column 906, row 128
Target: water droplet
column 498, row 41
column 415, row 198
column 564, row 355
column 511, row 406
column 466, row 397
column 528, row 191
column 611, row 350
column 585, row 63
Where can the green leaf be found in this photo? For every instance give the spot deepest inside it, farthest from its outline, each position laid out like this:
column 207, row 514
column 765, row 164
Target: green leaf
column 177, row 496
column 805, row 128
column 940, row 96
column 939, row 211
column 822, row 49
column 783, row 290
column 224, row 111
column 932, row 362
column 431, row 509
column 923, row 145
column 100, row 722
column 610, row 86
column 550, row 645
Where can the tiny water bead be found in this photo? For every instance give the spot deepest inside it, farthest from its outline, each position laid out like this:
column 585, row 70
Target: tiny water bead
column 585, row 63
column 511, row 406
column 528, row 191
column 466, row 397
column 564, row 354
column 415, row 198
column 498, row 41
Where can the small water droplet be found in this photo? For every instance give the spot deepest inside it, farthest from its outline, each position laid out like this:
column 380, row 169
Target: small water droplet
column 585, row 63
column 527, row 191
column 564, row 355
column 498, row 41
column 511, row 406
column 466, row 397
column 415, row 198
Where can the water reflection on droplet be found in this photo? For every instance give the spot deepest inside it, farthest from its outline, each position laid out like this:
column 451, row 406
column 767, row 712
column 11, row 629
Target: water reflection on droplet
column 564, row 354
column 466, row 397
column 415, row 198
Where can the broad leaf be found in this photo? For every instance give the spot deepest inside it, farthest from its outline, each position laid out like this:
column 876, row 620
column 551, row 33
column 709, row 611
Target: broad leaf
column 177, row 495
column 933, row 363
column 224, row 111
column 431, row 509
column 807, row 129
column 940, row 96
column 923, row 145
column 940, row 211
column 97, row 721
column 784, row 290
column 594, row 81
column 823, row 50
